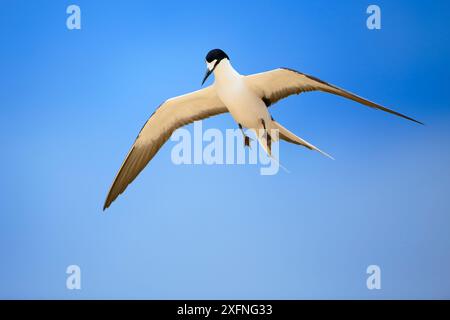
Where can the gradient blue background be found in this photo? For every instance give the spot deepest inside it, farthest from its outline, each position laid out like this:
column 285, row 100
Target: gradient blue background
column 72, row 103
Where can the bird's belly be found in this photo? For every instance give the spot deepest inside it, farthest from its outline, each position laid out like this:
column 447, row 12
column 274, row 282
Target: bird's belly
column 247, row 116
column 245, row 108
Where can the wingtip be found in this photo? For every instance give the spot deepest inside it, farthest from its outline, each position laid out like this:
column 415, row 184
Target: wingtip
column 416, row 121
column 410, row 119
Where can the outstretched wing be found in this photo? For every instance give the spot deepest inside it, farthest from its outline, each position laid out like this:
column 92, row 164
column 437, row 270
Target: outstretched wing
column 274, row 85
column 172, row 114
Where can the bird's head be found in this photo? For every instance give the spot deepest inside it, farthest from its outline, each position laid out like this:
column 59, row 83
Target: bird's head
column 212, row 60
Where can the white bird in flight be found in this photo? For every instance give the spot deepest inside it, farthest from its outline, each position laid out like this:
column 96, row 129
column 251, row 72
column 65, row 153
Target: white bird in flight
column 247, row 98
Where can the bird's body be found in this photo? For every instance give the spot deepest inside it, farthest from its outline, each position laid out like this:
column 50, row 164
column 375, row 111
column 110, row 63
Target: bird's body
column 244, row 105
column 246, row 98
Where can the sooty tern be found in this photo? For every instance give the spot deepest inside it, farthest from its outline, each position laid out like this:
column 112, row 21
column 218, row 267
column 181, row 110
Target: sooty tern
column 247, row 98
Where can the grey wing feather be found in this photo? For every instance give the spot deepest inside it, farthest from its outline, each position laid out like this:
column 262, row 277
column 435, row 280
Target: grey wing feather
column 171, row 115
column 277, row 84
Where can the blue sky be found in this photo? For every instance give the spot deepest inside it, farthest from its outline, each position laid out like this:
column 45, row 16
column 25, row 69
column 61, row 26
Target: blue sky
column 72, row 103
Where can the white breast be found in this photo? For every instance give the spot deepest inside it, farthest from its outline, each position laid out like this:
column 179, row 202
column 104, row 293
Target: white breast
column 244, row 105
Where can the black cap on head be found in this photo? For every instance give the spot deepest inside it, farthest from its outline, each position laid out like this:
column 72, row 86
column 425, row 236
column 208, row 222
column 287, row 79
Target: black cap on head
column 216, row 54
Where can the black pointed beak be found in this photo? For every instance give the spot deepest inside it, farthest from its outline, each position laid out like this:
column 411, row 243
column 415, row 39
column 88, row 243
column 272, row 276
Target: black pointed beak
column 208, row 72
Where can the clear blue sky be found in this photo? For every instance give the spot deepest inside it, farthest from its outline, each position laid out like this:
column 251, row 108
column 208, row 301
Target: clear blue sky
column 72, row 103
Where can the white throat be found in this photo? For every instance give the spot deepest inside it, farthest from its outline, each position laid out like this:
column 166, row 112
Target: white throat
column 224, row 72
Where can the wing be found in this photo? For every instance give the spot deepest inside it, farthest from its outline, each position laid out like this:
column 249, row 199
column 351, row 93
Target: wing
column 277, row 84
column 172, row 114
